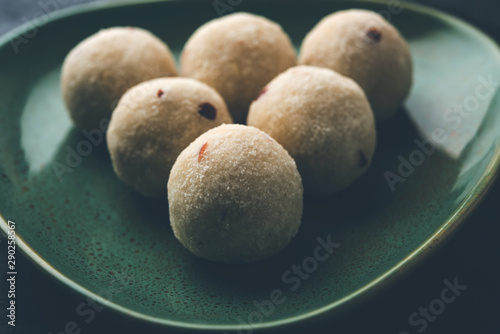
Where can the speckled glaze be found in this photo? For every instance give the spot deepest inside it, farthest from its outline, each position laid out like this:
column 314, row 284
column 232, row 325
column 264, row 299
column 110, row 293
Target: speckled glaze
column 90, row 231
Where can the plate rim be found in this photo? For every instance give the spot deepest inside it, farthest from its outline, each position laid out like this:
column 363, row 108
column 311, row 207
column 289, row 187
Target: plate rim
column 463, row 211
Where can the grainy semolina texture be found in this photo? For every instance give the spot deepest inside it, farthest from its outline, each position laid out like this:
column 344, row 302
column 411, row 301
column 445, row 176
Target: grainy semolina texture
column 153, row 122
column 97, row 71
column 237, row 55
column 323, row 120
column 235, row 195
column 362, row 45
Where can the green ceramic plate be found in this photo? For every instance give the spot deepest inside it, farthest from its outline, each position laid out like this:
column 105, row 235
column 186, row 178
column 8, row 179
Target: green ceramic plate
column 96, row 236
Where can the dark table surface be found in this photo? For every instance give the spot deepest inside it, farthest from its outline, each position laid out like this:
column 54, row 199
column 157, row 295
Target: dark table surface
column 472, row 257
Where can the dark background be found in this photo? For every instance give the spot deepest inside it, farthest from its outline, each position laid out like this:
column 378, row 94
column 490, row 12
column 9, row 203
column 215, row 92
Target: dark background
column 473, row 254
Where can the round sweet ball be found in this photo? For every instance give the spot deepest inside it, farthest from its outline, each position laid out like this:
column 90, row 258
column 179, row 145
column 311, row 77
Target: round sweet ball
column 98, row 71
column 153, row 122
column 235, row 195
column 362, row 45
column 237, row 55
column 323, row 120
